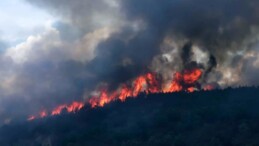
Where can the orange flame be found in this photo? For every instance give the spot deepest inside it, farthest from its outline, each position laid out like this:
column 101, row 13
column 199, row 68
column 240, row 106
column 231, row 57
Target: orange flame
column 175, row 85
column 148, row 82
column 58, row 110
column 153, row 83
column 124, row 93
column 75, row 106
column 191, row 76
column 102, row 100
column 190, row 89
column 138, row 85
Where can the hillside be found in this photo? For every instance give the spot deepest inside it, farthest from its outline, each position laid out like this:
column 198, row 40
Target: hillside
column 205, row 118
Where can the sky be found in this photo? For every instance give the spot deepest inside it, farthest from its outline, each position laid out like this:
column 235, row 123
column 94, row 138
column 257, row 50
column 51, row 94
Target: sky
column 54, row 52
column 19, row 19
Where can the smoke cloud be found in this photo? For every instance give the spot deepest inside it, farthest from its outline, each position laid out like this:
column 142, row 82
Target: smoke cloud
column 109, row 42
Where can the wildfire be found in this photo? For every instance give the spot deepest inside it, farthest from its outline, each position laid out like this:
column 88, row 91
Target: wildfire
column 152, row 83
column 191, row 76
column 58, row 110
column 190, row 89
column 138, row 85
column 175, row 85
column 149, row 83
column 185, row 81
column 124, row 93
column 75, row 106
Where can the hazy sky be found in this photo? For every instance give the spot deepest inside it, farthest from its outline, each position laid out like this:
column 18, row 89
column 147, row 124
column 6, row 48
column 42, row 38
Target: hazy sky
column 19, row 19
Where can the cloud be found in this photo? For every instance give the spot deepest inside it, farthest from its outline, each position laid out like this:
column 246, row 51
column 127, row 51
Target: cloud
column 35, row 47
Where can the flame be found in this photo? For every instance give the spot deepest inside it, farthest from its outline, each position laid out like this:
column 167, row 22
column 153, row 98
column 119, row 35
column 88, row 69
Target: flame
column 190, row 89
column 145, row 83
column 75, row 106
column 153, row 83
column 138, row 85
column 191, row 76
column 124, row 92
column 148, row 82
column 58, row 110
column 102, row 100
column 175, row 85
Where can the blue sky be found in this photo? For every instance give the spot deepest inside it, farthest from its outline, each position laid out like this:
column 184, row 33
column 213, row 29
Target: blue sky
column 19, row 20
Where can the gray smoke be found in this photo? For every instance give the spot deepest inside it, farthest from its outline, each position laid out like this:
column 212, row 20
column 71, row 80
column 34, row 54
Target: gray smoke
column 109, row 42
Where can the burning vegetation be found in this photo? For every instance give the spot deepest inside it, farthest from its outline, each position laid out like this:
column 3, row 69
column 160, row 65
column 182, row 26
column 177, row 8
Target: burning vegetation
column 191, row 77
column 227, row 115
column 187, row 81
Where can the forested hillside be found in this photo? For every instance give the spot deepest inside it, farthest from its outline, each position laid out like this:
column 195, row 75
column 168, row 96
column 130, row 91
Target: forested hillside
column 205, row 118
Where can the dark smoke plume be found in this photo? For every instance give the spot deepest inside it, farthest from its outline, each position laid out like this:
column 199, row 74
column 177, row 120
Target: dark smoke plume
column 106, row 43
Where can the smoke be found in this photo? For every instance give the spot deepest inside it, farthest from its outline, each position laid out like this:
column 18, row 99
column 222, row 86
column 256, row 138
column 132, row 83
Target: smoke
column 220, row 32
column 110, row 42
